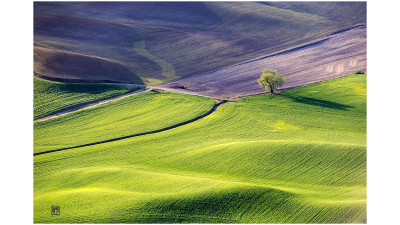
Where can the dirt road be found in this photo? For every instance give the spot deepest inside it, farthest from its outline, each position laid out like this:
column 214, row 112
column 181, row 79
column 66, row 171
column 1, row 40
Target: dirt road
column 336, row 55
column 331, row 57
column 86, row 105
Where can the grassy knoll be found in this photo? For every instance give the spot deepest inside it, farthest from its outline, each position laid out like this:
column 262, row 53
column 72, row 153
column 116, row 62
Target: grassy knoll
column 294, row 157
column 53, row 96
column 156, row 42
column 131, row 115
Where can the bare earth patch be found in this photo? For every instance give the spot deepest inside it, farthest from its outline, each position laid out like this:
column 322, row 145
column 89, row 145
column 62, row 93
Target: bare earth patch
column 334, row 56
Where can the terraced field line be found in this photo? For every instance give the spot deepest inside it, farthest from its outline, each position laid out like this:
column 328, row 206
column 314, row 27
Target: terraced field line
column 140, row 134
column 86, row 105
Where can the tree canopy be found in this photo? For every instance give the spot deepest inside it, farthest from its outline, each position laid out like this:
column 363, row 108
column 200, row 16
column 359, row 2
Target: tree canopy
column 270, row 79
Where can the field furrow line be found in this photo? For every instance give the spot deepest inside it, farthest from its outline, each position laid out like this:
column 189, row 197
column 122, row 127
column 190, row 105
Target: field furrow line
column 140, row 134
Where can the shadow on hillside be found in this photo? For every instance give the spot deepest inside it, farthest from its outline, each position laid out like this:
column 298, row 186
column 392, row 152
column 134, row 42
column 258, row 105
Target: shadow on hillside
column 317, row 102
column 88, row 89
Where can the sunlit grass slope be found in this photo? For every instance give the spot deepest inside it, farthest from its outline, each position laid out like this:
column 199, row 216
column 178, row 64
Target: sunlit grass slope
column 128, row 116
column 50, row 96
column 294, row 157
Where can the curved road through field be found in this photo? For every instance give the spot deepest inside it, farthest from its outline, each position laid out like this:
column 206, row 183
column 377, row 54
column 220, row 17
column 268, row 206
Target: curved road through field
column 339, row 54
column 85, row 105
column 334, row 56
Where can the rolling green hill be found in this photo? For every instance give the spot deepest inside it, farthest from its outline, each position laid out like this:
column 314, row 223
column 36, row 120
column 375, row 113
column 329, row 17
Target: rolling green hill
column 131, row 115
column 294, row 157
column 50, row 96
column 153, row 42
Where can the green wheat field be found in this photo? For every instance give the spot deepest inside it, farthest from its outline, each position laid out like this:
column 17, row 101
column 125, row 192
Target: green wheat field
column 294, row 157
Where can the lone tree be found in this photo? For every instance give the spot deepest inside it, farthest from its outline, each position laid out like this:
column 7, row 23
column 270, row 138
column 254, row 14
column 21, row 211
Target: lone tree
column 271, row 79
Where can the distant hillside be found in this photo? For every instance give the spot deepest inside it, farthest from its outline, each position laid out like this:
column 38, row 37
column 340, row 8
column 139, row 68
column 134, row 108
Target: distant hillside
column 153, row 42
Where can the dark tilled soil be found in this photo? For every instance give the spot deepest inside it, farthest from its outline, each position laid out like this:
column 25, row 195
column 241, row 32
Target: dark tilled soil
column 337, row 55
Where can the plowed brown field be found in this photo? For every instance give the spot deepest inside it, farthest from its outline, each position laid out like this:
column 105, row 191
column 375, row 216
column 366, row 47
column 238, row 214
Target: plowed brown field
column 334, row 56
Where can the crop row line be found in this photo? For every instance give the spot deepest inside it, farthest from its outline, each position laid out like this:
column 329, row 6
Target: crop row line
column 140, row 134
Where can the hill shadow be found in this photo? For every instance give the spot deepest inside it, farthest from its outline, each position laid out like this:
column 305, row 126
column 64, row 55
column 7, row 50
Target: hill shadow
column 61, row 66
column 317, row 102
column 88, row 88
